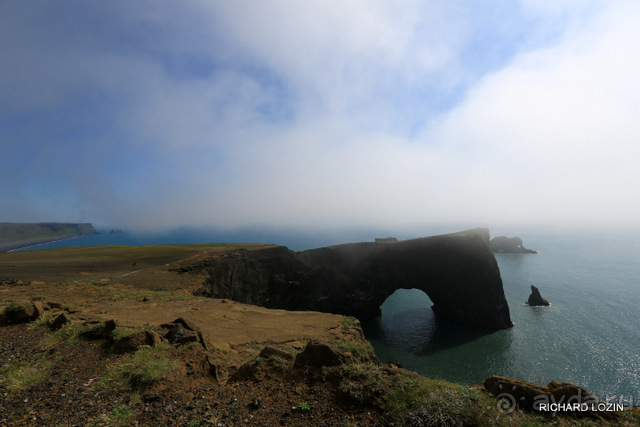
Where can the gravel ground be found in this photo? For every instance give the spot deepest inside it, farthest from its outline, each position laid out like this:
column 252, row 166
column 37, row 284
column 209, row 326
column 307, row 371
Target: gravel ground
column 189, row 397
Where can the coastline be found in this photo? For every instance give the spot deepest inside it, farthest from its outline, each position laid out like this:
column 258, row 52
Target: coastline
column 21, row 244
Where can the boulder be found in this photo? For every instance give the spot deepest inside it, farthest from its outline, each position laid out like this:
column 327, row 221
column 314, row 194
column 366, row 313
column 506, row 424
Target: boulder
column 26, row 313
column 179, row 334
column 535, row 299
column 526, row 395
column 269, row 360
column 101, row 330
column 59, row 321
column 317, row 355
column 136, row 341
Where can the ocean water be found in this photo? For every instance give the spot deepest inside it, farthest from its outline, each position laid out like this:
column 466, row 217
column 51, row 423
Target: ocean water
column 589, row 336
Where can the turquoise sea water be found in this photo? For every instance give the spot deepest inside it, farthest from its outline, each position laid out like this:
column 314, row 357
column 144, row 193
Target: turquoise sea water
column 589, row 336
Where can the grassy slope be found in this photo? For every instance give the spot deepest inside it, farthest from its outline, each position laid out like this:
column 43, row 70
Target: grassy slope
column 141, row 266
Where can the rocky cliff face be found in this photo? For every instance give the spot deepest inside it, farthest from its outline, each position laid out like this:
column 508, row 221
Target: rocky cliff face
column 458, row 271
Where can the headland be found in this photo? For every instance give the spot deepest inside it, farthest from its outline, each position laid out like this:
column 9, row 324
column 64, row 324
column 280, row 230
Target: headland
column 20, row 235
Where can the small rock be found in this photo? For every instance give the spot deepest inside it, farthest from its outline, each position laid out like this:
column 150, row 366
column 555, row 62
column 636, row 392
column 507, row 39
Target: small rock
column 316, row 354
column 101, row 331
column 535, row 299
column 59, row 321
column 255, row 404
column 24, row 314
column 136, row 341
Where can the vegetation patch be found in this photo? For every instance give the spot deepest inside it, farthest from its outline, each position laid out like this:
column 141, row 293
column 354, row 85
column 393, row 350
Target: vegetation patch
column 360, row 350
column 433, row 402
column 349, row 321
column 303, row 406
column 15, row 306
column 69, row 334
column 138, row 370
column 119, row 417
column 20, row 376
column 40, row 322
column 363, row 382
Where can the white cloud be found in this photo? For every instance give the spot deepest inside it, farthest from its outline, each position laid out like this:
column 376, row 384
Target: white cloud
column 357, row 113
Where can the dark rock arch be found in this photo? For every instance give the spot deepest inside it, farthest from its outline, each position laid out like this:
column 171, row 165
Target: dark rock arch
column 457, row 271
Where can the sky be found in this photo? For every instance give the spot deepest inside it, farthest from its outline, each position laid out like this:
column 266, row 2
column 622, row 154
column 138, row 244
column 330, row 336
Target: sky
column 152, row 115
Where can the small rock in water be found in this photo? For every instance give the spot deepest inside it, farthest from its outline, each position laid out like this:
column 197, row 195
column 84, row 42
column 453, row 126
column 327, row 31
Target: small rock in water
column 535, row 299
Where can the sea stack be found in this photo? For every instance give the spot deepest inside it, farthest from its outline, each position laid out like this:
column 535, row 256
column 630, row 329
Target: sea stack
column 535, row 299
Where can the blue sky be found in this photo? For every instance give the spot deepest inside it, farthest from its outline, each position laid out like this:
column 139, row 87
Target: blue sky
column 160, row 114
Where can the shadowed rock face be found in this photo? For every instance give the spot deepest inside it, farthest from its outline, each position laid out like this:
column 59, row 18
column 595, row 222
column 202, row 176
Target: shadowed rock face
column 535, row 299
column 457, row 271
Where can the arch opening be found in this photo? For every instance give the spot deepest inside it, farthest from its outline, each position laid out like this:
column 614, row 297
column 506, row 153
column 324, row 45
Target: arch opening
column 407, row 321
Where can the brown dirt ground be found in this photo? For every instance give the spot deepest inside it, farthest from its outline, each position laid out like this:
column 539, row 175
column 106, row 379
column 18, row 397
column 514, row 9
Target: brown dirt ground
column 188, row 397
column 233, row 332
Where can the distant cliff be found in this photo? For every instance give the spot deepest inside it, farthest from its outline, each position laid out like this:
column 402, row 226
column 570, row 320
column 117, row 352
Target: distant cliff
column 457, row 271
column 15, row 235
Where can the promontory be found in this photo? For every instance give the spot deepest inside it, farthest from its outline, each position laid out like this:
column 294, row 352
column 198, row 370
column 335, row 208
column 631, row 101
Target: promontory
column 457, row 271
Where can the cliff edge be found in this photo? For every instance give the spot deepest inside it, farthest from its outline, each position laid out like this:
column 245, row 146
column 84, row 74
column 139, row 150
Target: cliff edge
column 509, row 245
column 457, row 271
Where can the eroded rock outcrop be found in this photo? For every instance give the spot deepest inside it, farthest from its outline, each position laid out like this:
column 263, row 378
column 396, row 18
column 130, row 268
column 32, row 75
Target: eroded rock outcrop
column 457, row 271
column 535, row 299
column 509, row 245
column 535, row 397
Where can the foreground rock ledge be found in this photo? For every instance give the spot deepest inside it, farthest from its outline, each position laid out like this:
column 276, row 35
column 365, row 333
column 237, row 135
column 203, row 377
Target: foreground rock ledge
column 457, row 271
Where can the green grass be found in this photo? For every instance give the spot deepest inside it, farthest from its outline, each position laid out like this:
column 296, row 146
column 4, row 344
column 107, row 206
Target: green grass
column 138, row 370
column 69, row 334
column 119, row 417
column 303, row 406
column 360, row 350
column 40, row 322
column 348, row 321
column 9, row 308
column 433, row 402
column 363, row 382
column 127, row 264
column 14, row 306
column 20, row 376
